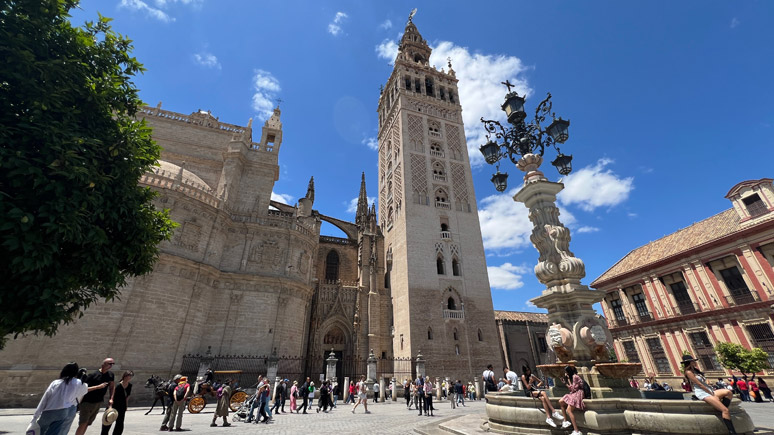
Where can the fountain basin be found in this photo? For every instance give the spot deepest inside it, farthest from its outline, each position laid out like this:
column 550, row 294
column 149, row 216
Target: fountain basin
column 618, row 370
column 512, row 413
column 555, row 371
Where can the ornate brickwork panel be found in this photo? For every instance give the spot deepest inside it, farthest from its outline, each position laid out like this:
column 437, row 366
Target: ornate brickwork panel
column 455, row 250
column 433, row 110
column 415, row 127
column 419, row 174
column 397, row 187
column 439, row 248
column 396, row 140
column 459, row 183
column 383, row 158
column 453, row 140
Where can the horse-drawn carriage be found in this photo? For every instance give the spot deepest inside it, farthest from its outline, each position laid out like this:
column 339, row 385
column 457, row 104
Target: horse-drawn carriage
column 203, row 388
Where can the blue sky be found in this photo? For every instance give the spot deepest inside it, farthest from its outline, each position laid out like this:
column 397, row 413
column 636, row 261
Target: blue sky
column 670, row 102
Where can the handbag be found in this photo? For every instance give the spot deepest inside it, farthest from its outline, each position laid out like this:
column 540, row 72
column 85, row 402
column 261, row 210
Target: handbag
column 33, row 428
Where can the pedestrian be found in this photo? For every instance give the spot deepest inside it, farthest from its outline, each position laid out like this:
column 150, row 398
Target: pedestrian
column 376, row 392
column 646, row 384
column 179, row 395
column 222, row 408
column 407, row 393
column 120, row 403
column 303, row 392
column 532, row 389
column 473, row 392
column 764, row 387
column 634, row 384
column 718, row 399
column 744, row 391
column 263, row 400
column 58, row 406
column 336, row 392
column 572, row 400
column 459, row 392
column 420, row 388
column 754, row 390
column 452, row 395
column 92, row 401
column 428, row 397
column 312, row 389
column 489, row 379
column 277, row 399
column 325, row 392
column 293, row 396
column 352, row 393
column 389, row 391
column 170, row 398
column 362, row 395
column 511, row 378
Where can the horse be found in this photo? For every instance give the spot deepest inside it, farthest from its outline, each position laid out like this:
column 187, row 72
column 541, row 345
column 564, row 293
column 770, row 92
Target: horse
column 159, row 392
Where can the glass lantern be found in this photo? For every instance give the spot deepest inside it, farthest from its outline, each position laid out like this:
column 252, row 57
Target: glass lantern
column 500, row 180
column 559, row 130
column 563, row 164
column 491, row 152
column 514, row 107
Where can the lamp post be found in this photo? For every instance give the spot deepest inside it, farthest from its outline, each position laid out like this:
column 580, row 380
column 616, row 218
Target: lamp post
column 576, row 333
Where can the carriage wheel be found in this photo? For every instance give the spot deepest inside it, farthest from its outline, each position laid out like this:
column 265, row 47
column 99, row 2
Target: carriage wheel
column 196, row 404
column 236, row 400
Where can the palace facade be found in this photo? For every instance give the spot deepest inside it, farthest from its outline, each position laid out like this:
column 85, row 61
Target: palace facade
column 707, row 283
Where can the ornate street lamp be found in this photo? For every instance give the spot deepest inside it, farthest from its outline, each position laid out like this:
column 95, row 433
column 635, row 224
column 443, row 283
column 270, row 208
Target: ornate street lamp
column 522, row 138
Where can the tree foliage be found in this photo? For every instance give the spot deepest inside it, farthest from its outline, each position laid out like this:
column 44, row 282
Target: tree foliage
column 736, row 357
column 74, row 223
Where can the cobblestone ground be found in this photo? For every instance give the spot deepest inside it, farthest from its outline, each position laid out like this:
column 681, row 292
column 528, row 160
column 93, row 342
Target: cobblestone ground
column 385, row 418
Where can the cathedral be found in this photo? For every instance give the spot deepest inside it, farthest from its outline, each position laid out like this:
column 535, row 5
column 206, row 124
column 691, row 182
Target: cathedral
column 246, row 275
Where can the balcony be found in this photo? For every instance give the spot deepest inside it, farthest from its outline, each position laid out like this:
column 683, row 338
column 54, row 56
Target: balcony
column 453, row 314
column 442, row 204
column 446, row 235
column 439, row 177
column 742, row 298
column 645, row 317
column 686, row 307
column 436, row 153
column 618, row 322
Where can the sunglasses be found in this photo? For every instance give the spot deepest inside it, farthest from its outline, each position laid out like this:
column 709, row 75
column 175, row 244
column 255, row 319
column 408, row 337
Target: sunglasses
column 110, row 364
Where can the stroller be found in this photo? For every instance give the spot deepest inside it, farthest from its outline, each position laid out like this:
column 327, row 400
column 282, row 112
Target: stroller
column 241, row 414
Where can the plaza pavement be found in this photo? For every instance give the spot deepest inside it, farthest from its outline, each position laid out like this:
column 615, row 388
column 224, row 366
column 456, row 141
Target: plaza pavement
column 385, row 418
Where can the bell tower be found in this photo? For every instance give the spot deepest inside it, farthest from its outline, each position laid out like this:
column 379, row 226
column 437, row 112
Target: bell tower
column 436, row 267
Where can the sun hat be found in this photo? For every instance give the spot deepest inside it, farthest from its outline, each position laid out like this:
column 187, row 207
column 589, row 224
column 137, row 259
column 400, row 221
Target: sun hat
column 109, row 417
column 688, row 359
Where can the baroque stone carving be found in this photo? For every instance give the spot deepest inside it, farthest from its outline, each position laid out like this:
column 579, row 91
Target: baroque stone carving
column 560, row 340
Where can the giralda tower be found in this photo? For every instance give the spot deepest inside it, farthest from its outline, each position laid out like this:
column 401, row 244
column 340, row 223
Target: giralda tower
column 436, row 268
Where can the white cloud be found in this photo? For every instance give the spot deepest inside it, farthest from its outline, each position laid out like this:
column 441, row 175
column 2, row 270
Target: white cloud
column 266, row 87
column 506, row 276
column 387, row 49
column 480, row 91
column 208, row 60
column 587, row 229
column 371, row 143
column 595, row 186
column 735, row 22
column 282, row 197
column 334, row 28
column 504, row 222
column 386, row 25
column 352, row 205
column 139, row 5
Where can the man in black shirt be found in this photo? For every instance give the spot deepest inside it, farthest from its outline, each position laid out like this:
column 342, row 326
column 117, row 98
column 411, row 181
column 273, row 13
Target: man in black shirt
column 92, row 401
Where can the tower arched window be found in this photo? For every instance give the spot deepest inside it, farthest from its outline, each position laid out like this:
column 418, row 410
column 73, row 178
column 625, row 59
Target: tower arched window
column 429, row 87
column 455, row 267
column 441, row 196
column 439, row 265
column 451, row 305
column 457, row 349
column 444, row 227
column 429, row 333
column 332, row 266
column 456, row 337
column 480, row 336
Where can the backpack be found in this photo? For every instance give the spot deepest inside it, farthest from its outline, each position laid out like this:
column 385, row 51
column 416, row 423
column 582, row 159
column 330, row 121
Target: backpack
column 490, row 383
column 180, row 391
column 586, row 389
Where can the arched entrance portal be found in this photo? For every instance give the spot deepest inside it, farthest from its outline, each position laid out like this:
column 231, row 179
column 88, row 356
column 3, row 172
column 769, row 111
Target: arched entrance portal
column 335, row 338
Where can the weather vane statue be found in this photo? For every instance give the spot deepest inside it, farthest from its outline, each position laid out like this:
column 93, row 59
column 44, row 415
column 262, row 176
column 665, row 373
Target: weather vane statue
column 411, row 15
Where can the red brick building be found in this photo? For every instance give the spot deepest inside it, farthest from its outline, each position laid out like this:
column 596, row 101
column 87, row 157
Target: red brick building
column 707, row 283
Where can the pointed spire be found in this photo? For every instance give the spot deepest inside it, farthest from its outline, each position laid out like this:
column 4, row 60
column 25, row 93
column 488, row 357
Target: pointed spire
column 362, row 203
column 310, row 190
column 413, row 48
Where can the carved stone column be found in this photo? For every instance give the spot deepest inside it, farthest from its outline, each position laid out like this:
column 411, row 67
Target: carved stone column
column 394, row 395
column 271, row 367
column 420, row 364
column 330, row 369
column 371, row 375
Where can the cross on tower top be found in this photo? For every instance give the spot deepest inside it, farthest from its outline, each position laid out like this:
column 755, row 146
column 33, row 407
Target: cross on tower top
column 278, row 100
column 508, row 84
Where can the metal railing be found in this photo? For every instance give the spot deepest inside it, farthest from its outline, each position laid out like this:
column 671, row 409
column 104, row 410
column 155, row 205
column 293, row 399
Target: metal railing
column 446, row 235
column 453, row 314
column 441, row 204
column 742, row 298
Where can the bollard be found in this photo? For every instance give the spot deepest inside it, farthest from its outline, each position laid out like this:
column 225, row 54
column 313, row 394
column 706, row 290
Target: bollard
column 381, row 389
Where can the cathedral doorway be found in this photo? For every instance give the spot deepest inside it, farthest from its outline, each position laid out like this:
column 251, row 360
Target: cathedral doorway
column 335, row 339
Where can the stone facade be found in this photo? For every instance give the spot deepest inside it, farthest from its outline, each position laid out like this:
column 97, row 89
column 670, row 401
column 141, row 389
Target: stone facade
column 710, row 282
column 242, row 274
column 522, row 340
column 436, row 265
